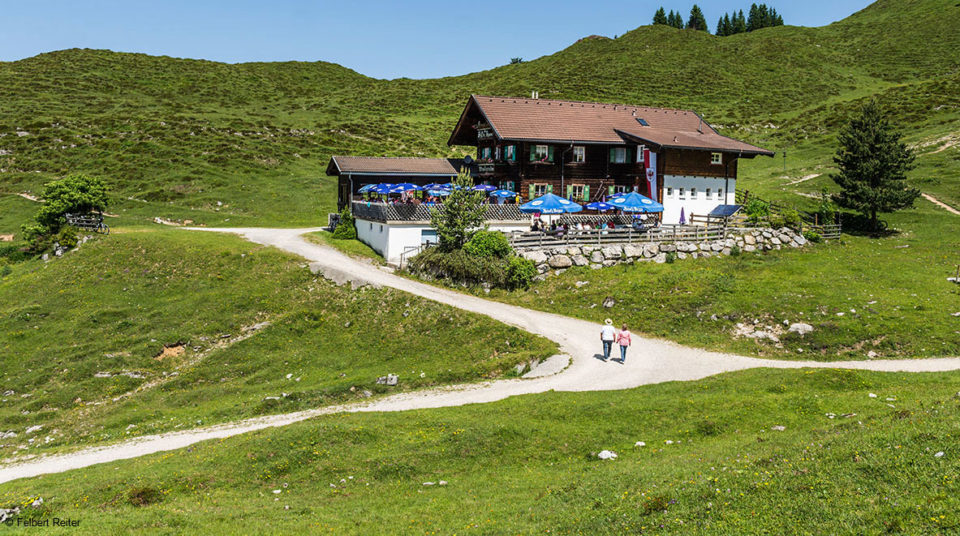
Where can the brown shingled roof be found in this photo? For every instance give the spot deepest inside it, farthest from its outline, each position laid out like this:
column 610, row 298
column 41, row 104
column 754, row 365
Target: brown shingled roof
column 592, row 122
column 377, row 165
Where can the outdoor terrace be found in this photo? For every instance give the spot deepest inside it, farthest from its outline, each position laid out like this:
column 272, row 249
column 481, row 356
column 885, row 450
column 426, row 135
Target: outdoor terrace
column 390, row 212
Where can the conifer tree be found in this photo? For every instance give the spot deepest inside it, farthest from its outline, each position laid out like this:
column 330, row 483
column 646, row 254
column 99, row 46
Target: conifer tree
column 720, row 27
column 727, row 25
column 697, row 21
column 739, row 23
column 753, row 21
column 660, row 17
column 873, row 162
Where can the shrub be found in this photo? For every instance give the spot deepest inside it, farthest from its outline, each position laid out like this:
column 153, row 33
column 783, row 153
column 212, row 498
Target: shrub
column 5, row 270
column 13, row 253
column 812, row 236
column 458, row 266
column 488, row 244
column 790, row 218
column 757, row 210
column 735, row 251
column 67, row 237
column 346, row 228
column 73, row 194
column 671, row 257
column 520, row 272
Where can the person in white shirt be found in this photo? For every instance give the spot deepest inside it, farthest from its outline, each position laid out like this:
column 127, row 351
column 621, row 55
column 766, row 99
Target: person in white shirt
column 607, row 335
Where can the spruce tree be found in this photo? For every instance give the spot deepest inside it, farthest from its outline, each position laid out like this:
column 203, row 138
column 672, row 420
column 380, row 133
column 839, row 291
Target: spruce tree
column 720, row 27
column 727, row 25
column 873, row 163
column 739, row 23
column 660, row 17
column 697, row 21
column 753, row 21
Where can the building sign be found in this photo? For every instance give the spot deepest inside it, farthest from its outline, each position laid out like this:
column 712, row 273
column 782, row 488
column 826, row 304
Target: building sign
column 485, row 168
column 484, row 131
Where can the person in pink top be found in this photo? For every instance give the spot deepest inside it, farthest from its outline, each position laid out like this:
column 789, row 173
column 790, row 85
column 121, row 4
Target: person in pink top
column 623, row 339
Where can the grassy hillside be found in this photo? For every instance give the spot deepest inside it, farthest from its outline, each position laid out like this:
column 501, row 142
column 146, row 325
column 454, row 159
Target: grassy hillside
column 82, row 339
column 175, row 137
column 858, row 453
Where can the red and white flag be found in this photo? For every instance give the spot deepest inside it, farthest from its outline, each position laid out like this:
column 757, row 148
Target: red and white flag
column 650, row 162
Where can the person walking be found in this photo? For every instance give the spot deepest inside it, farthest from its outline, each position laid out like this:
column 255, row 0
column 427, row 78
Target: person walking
column 607, row 335
column 623, row 339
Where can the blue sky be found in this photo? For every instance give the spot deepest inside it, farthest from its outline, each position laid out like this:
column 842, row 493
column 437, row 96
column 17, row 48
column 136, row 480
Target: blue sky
column 384, row 39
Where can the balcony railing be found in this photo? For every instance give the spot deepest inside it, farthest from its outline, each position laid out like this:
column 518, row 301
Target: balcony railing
column 387, row 212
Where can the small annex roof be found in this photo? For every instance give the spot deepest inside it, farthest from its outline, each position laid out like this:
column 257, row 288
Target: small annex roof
column 380, row 165
column 558, row 121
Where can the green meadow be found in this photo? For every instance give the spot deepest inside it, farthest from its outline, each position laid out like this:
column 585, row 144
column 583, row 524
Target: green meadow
column 249, row 330
column 754, row 452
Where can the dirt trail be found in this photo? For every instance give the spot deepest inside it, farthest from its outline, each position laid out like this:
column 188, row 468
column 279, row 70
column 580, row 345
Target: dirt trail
column 651, row 361
column 940, row 204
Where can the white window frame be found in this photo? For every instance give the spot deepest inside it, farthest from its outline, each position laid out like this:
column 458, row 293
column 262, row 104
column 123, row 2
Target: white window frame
column 510, row 151
column 708, row 194
column 497, row 153
column 579, row 154
column 619, row 155
column 716, row 159
column 670, row 192
column 539, row 190
column 680, row 194
column 693, row 193
column 640, row 149
column 576, row 191
column 620, row 189
column 485, row 153
column 541, row 152
column 720, row 194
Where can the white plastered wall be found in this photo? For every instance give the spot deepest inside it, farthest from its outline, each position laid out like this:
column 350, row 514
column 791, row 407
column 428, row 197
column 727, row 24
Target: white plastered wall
column 701, row 204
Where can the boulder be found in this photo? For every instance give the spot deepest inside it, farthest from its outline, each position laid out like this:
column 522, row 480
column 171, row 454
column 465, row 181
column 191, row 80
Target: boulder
column 784, row 238
column 660, row 258
column 725, row 251
column 538, row 257
column 800, row 240
column 631, row 252
column 579, row 260
column 650, row 250
column 609, row 263
column 800, row 328
column 681, row 255
column 609, row 302
column 596, row 257
column 612, row 252
column 667, row 248
column 716, row 246
column 560, row 261
column 389, row 379
column 573, row 250
column 749, row 248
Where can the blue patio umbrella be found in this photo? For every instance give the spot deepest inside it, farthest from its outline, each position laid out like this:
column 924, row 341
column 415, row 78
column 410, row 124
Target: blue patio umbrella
column 550, row 204
column 449, row 186
column 366, row 188
column 382, row 188
column 405, row 187
column 484, row 187
column 435, row 186
column 506, row 194
column 600, row 205
column 634, row 202
column 439, row 192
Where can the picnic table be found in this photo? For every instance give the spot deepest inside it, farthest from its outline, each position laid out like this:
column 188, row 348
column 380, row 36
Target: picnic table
column 90, row 221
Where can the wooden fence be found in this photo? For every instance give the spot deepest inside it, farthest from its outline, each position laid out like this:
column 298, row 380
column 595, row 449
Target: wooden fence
column 600, row 237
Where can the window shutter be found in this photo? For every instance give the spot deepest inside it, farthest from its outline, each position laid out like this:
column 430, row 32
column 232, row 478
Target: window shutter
column 569, row 191
column 533, row 192
column 549, row 188
column 609, row 190
column 512, row 153
column 627, row 154
column 586, row 193
column 613, row 154
column 533, row 153
column 550, row 153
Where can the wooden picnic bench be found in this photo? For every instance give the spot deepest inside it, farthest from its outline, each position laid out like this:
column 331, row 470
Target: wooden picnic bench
column 89, row 221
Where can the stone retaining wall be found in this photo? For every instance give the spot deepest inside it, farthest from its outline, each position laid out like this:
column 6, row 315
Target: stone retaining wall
column 559, row 258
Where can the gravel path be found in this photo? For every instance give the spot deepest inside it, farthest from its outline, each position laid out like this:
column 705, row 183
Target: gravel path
column 940, row 204
column 649, row 361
